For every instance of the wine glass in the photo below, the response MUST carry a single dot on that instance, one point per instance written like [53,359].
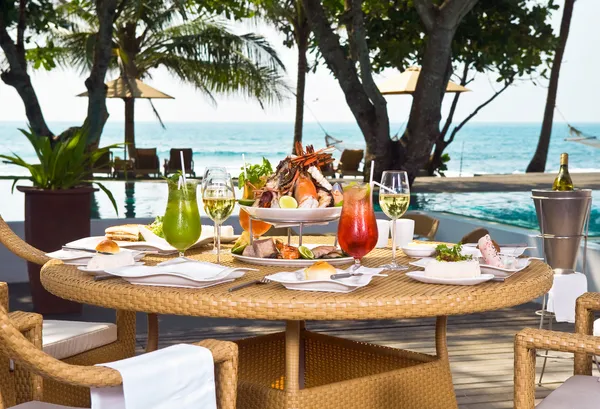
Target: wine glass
[357,229]
[394,198]
[208,172]
[219,200]
[181,223]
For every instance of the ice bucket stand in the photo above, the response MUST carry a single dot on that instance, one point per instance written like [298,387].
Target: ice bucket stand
[564,219]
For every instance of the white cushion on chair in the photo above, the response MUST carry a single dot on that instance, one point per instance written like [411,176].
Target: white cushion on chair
[63,339]
[578,392]
[40,405]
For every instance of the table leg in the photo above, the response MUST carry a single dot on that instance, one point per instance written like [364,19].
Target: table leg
[152,341]
[294,371]
[441,348]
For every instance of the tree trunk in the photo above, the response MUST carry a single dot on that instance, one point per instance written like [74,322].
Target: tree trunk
[97,113]
[538,162]
[302,43]
[423,130]
[130,126]
[16,76]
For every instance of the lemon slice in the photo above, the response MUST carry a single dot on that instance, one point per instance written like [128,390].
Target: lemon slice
[288,202]
[306,253]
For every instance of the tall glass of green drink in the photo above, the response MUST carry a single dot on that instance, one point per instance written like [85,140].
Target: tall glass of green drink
[181,224]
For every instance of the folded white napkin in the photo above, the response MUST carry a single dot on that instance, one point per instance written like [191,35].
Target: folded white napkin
[102,261]
[563,294]
[181,376]
[196,270]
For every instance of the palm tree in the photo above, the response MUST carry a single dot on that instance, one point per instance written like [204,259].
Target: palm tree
[198,49]
[289,18]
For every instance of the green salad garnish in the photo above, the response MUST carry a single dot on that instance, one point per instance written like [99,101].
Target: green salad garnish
[157,227]
[452,254]
[255,174]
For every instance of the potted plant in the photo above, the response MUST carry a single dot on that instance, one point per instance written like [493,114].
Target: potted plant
[57,206]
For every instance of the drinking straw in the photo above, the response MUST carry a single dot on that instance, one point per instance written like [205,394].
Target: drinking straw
[244,160]
[183,169]
[371,180]
[383,187]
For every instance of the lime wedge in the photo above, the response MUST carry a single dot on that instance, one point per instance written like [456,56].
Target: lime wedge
[246,202]
[306,253]
[288,202]
[340,204]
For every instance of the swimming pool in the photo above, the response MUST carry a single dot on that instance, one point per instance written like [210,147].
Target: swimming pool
[148,199]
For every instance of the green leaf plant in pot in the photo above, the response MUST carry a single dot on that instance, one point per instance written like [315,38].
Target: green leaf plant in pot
[58,205]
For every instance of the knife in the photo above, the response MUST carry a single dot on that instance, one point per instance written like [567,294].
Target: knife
[348,275]
[86,250]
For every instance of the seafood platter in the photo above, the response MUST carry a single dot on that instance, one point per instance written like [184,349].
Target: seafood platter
[295,193]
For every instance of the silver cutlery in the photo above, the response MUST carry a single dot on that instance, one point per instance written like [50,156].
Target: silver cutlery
[86,250]
[263,280]
[105,277]
[348,275]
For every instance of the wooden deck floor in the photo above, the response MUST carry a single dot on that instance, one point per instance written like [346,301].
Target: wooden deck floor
[481,348]
[480,345]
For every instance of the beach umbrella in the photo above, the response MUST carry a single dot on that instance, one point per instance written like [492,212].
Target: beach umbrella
[130,89]
[406,83]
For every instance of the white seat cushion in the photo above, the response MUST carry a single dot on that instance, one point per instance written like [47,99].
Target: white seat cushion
[63,339]
[40,405]
[578,392]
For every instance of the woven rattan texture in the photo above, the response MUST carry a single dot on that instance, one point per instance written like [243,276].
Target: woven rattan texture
[396,296]
[343,374]
[19,247]
[526,343]
[586,305]
[27,351]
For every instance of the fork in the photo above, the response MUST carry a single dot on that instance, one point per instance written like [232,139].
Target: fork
[263,280]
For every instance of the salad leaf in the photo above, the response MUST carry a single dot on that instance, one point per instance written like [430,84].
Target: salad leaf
[452,254]
[255,174]
[157,227]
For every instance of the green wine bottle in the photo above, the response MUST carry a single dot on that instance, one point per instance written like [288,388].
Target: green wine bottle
[563,180]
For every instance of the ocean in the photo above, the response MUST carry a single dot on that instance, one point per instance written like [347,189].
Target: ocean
[479,148]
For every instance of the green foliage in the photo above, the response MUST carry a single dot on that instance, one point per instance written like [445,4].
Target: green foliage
[443,167]
[255,173]
[510,38]
[63,164]
[451,254]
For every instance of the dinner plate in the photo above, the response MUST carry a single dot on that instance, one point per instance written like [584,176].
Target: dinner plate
[419,250]
[101,271]
[301,262]
[278,215]
[420,276]
[500,274]
[74,257]
[515,251]
[343,285]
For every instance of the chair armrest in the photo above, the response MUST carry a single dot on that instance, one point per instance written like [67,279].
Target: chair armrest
[4,296]
[225,355]
[19,247]
[526,343]
[584,323]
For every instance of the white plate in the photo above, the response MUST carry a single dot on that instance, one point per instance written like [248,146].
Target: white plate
[301,262]
[419,250]
[82,257]
[152,276]
[91,242]
[95,272]
[420,276]
[521,264]
[516,251]
[343,285]
[294,215]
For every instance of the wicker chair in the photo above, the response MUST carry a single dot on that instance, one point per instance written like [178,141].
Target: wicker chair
[425,226]
[117,347]
[20,340]
[581,391]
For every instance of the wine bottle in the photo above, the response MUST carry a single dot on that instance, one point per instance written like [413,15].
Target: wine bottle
[563,180]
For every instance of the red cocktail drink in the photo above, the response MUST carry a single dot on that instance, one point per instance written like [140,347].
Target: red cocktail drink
[357,231]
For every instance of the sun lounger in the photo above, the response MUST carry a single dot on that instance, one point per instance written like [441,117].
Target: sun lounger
[173,164]
[349,162]
[146,162]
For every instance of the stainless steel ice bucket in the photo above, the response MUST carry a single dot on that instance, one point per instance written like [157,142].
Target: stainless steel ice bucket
[562,217]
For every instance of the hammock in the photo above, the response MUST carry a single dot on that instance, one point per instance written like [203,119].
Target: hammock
[583,138]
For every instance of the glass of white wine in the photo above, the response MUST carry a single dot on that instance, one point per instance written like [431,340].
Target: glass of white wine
[210,172]
[218,198]
[394,198]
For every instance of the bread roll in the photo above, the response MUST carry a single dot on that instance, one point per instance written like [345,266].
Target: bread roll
[108,246]
[321,270]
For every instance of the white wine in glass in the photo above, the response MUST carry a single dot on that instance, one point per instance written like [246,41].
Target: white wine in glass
[394,198]
[218,198]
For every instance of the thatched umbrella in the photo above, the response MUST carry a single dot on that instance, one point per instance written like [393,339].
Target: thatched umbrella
[129,90]
[406,83]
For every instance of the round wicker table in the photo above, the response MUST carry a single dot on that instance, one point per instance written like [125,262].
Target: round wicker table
[303,369]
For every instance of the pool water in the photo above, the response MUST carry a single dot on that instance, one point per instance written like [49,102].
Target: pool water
[147,199]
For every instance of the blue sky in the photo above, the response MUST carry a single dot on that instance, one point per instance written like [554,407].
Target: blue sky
[578,94]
